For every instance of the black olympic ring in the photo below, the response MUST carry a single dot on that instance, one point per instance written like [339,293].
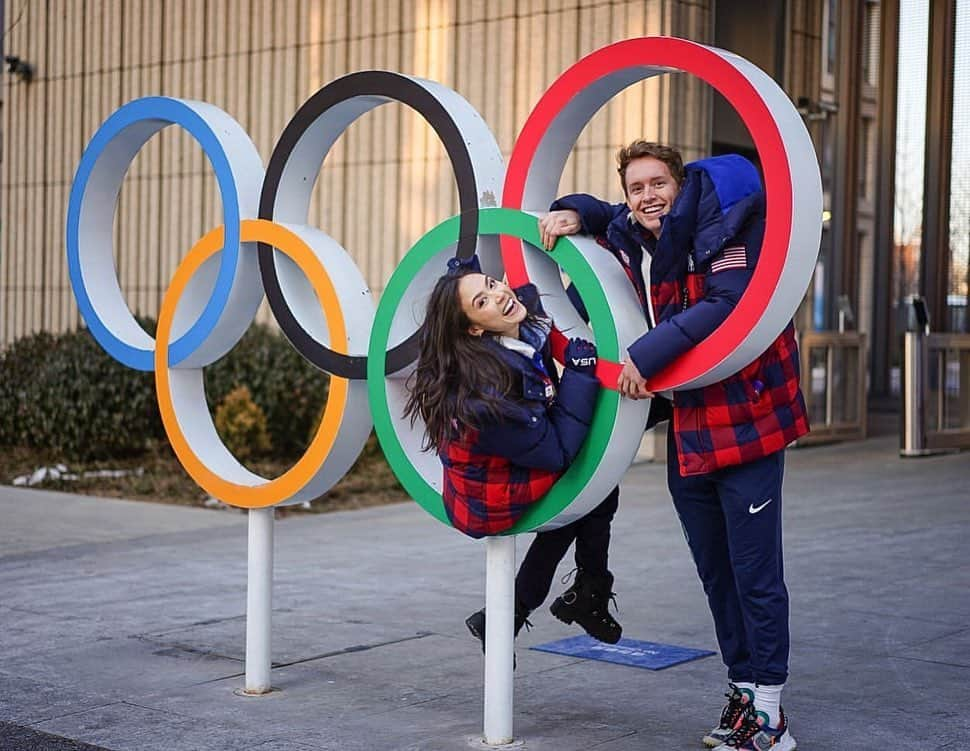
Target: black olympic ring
[367,89]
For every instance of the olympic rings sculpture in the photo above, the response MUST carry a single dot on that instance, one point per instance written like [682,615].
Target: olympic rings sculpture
[323,305]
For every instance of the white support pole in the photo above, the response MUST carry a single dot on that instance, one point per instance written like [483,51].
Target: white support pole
[259,601]
[499,635]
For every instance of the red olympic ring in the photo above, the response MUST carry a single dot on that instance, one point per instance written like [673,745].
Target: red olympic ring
[649,55]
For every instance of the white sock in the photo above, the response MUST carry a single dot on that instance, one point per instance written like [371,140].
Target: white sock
[747,688]
[767,699]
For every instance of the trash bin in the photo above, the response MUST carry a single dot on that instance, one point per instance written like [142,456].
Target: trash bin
[913,439]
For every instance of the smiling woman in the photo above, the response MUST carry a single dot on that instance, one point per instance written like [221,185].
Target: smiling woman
[616,425]
[491,306]
[505,427]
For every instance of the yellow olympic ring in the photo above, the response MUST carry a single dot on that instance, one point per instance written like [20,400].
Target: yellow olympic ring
[249,490]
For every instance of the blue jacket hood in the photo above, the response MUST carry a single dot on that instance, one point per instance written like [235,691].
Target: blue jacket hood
[718,197]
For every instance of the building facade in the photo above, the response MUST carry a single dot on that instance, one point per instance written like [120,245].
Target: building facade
[388,179]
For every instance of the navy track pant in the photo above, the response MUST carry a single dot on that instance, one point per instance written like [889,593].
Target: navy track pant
[732,522]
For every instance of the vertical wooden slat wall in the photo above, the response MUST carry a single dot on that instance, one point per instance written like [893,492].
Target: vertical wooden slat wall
[385,182]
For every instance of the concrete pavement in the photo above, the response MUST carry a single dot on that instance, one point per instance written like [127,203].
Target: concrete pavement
[122,624]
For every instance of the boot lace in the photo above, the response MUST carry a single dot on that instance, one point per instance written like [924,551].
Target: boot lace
[745,732]
[612,598]
[569,596]
[522,615]
[735,707]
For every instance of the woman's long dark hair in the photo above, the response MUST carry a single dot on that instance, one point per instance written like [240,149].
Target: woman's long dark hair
[457,374]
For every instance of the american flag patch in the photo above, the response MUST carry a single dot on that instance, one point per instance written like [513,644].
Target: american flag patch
[735,257]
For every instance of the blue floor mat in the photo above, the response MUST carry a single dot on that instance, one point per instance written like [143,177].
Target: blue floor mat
[638,654]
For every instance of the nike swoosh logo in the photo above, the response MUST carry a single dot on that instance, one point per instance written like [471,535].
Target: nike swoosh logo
[752,509]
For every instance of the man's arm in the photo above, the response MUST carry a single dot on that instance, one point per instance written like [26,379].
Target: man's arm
[576,213]
[660,346]
[594,215]
[557,224]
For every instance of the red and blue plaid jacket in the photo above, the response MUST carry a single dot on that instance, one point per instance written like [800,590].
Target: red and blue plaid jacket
[495,472]
[707,251]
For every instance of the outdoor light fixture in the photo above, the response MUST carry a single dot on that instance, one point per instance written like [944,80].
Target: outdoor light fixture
[810,109]
[20,68]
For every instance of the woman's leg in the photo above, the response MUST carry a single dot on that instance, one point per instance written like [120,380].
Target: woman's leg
[587,601]
[593,536]
[538,568]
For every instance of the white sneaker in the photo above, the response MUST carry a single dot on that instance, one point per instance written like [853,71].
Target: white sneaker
[756,735]
[740,704]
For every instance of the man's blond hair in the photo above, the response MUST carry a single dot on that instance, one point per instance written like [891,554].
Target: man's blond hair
[640,148]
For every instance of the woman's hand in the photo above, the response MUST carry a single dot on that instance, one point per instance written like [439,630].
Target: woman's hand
[555,224]
[580,356]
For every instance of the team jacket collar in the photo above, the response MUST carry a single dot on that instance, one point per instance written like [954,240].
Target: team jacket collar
[528,360]
[718,196]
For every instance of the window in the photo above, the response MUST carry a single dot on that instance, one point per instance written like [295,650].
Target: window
[958,285]
[830,43]
[870,43]
[910,146]
[867,158]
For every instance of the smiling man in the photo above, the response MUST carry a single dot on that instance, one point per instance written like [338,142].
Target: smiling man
[688,238]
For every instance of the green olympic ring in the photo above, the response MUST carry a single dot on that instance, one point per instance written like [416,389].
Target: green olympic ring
[492,221]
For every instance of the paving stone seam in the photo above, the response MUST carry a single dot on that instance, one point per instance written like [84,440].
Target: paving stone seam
[932,639]
[930,662]
[196,624]
[902,617]
[630,734]
[72,713]
[355,648]
[219,679]
[861,652]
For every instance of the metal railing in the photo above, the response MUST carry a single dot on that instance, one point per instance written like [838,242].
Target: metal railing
[936,393]
[834,385]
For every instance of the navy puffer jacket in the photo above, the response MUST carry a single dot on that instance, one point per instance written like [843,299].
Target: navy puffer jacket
[495,472]
[700,266]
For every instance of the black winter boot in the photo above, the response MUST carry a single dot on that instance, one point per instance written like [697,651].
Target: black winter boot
[476,622]
[587,602]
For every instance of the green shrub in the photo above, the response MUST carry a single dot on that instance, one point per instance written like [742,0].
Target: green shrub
[242,425]
[289,390]
[63,393]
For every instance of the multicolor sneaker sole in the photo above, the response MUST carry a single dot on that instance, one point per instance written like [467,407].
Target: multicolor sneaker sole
[756,735]
[716,737]
[739,705]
